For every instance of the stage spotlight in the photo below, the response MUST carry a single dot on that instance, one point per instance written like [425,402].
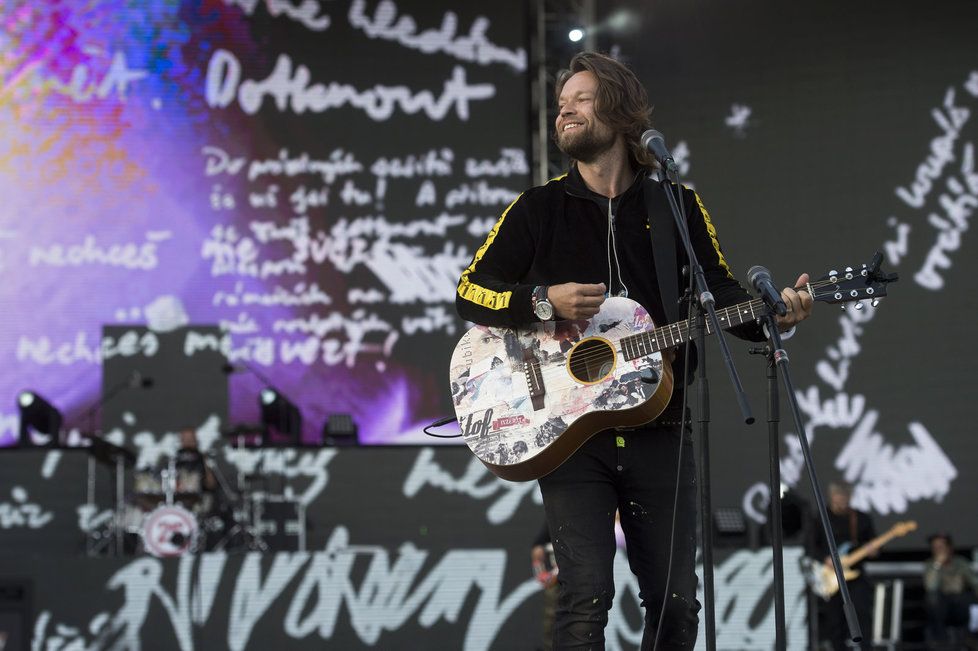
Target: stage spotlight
[281,418]
[729,521]
[576,35]
[40,421]
[339,430]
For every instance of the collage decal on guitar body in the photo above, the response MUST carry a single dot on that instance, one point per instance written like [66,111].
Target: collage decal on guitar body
[517,392]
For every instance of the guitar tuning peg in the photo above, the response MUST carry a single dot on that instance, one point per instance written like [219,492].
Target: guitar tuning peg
[875,302]
[843,306]
[859,305]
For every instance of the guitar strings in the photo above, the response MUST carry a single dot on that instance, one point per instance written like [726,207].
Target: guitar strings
[557,377]
[683,328]
[677,332]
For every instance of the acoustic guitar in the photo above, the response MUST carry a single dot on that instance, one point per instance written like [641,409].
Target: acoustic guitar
[527,398]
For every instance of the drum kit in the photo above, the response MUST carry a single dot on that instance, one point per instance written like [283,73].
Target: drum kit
[166,509]
[182,507]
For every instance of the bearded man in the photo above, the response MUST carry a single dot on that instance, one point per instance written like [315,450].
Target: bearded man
[556,253]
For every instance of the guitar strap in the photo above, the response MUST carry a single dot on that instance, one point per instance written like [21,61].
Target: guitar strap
[852,527]
[662,231]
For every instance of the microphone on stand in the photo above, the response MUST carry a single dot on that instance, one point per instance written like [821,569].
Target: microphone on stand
[760,279]
[655,142]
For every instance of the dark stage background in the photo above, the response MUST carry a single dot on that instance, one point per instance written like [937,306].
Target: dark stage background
[312,178]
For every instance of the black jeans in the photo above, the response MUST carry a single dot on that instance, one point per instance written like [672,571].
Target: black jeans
[634,472]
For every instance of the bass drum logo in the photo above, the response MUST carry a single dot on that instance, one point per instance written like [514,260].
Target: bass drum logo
[169,530]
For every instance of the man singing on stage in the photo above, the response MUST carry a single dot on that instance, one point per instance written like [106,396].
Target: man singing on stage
[556,253]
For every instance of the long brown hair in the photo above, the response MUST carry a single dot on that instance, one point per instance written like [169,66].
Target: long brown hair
[621,101]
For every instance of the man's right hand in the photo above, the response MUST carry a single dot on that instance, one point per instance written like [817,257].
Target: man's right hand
[576,301]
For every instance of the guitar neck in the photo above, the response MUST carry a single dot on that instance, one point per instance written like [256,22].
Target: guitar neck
[673,334]
[863,551]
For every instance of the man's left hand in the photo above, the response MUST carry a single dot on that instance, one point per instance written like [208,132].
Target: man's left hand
[798,303]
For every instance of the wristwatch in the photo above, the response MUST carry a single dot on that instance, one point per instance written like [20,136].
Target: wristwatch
[542,307]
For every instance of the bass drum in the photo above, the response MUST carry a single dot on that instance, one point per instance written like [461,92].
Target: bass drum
[170,530]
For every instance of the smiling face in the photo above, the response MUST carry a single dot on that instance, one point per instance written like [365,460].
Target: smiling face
[580,133]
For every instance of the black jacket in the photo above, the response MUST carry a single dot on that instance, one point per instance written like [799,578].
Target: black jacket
[558,233]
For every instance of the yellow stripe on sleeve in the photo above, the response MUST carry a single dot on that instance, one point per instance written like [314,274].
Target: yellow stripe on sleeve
[713,234]
[480,295]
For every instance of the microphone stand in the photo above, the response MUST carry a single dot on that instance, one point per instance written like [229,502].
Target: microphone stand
[774,488]
[780,359]
[705,310]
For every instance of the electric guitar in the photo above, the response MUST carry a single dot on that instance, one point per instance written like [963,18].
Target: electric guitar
[822,579]
[527,398]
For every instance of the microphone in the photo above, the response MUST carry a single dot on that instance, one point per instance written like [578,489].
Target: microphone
[656,143]
[760,279]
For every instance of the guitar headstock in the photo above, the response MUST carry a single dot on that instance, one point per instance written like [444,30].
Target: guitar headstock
[903,528]
[866,282]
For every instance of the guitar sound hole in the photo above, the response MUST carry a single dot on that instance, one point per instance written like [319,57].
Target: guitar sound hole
[591,361]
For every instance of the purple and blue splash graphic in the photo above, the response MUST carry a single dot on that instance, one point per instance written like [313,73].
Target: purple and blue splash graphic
[168,163]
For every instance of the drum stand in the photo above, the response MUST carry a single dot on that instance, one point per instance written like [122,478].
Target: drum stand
[250,532]
[168,477]
[95,541]
[117,457]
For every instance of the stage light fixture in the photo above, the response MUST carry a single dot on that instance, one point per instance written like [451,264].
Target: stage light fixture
[729,521]
[340,430]
[576,35]
[281,418]
[40,421]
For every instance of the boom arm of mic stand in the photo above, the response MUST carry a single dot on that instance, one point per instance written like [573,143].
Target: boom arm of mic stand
[781,360]
[258,374]
[707,303]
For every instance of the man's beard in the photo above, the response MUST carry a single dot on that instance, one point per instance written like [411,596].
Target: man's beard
[585,147]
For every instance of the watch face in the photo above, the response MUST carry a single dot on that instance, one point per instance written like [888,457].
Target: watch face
[544,310]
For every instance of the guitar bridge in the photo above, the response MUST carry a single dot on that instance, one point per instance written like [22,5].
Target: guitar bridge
[534,379]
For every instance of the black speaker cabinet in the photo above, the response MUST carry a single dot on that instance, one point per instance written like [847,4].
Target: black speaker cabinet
[15,615]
